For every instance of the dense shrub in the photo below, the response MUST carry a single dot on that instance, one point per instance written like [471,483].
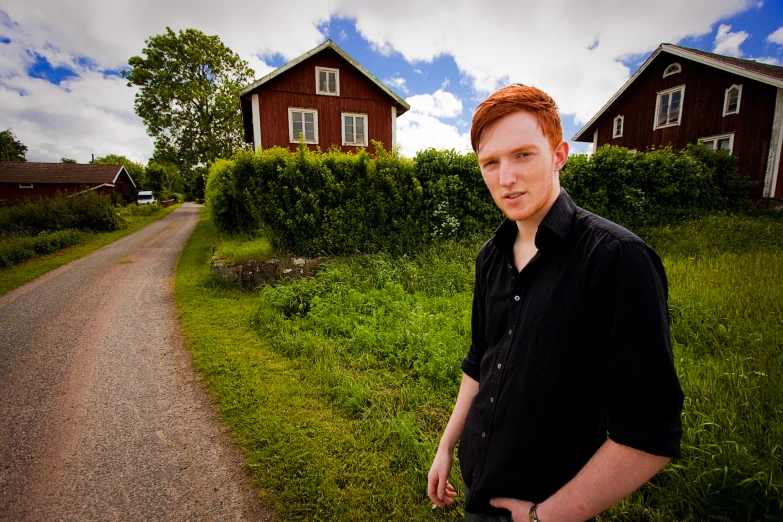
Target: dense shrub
[342,203]
[15,249]
[656,187]
[88,211]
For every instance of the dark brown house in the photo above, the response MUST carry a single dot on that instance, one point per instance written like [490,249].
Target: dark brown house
[28,180]
[681,96]
[324,98]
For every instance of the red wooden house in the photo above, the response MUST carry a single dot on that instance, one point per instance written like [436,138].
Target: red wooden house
[323,98]
[681,96]
[28,180]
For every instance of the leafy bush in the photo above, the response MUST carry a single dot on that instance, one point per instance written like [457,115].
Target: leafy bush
[88,211]
[343,203]
[656,187]
[15,249]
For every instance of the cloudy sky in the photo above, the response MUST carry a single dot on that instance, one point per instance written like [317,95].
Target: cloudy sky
[61,93]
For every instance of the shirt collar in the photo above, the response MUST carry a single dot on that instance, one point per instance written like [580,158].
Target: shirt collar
[554,229]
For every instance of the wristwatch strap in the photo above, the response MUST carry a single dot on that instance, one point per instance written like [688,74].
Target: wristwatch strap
[533,515]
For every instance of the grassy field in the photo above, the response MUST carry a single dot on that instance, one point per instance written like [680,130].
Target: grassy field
[15,276]
[338,387]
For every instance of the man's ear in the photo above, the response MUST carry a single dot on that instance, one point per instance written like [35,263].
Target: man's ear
[561,155]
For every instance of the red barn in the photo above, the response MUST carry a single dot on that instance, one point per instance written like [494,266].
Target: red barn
[28,180]
[324,98]
[681,96]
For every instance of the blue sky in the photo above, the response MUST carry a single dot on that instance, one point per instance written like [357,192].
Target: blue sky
[61,94]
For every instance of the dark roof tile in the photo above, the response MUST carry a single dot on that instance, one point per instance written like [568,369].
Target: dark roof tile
[71,173]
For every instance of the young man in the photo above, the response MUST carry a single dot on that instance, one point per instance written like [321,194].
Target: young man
[569,399]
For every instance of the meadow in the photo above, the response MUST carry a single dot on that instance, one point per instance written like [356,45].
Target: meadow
[338,387]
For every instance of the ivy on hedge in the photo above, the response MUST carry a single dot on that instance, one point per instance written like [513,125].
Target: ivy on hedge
[343,203]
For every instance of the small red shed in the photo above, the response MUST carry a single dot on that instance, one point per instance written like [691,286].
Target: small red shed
[324,98]
[681,96]
[29,180]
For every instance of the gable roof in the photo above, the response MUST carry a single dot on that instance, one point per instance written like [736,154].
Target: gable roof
[67,173]
[328,44]
[762,72]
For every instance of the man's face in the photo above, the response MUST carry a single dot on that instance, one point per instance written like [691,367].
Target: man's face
[519,166]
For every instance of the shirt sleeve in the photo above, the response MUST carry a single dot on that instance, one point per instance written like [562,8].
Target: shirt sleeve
[471,364]
[643,395]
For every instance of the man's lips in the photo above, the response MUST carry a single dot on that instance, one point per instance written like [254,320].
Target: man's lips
[513,195]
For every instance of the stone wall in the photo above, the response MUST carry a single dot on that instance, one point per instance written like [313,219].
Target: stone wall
[254,273]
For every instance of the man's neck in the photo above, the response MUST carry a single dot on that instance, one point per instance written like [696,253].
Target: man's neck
[528,228]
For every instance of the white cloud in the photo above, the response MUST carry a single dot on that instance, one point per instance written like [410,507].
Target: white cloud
[416,131]
[771,60]
[440,104]
[549,45]
[397,83]
[776,37]
[728,43]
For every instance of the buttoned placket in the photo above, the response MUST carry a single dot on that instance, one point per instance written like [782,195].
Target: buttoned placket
[514,315]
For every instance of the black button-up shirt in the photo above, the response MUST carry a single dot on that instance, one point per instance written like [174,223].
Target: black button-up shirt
[572,348]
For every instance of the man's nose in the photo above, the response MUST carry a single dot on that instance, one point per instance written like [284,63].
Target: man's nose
[508,174]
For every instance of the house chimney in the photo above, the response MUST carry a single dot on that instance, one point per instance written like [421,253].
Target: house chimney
[93,158]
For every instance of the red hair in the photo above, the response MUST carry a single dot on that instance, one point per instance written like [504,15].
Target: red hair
[514,98]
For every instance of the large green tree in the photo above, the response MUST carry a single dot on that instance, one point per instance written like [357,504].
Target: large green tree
[135,169]
[11,149]
[188,96]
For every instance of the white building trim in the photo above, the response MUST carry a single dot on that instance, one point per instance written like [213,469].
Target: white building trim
[256,123]
[775,145]
[394,126]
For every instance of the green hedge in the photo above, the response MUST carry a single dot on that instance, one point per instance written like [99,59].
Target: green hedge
[88,212]
[15,249]
[656,187]
[342,203]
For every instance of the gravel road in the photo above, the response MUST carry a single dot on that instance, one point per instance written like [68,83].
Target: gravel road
[101,414]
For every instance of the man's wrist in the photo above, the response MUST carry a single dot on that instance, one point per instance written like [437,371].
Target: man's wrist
[533,515]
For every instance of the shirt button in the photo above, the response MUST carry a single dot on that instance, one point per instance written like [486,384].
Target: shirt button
[510,332]
[516,298]
[499,365]
[491,399]
[483,434]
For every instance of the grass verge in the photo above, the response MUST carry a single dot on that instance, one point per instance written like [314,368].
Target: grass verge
[338,387]
[16,276]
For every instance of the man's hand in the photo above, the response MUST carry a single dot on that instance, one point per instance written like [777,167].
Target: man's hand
[438,487]
[520,509]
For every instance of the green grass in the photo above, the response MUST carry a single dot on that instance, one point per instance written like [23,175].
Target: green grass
[338,387]
[240,248]
[16,276]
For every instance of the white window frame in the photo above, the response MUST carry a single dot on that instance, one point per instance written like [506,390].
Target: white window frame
[669,71]
[295,139]
[336,81]
[614,127]
[717,137]
[726,100]
[354,115]
[658,96]
[25,185]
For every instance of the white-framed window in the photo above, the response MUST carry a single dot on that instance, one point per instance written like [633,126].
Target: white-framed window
[668,107]
[327,81]
[25,185]
[731,102]
[721,142]
[303,125]
[672,69]
[617,127]
[354,129]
